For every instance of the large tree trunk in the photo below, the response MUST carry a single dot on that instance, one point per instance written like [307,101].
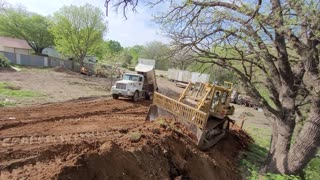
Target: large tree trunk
[38,51]
[285,158]
[279,147]
[81,60]
[307,142]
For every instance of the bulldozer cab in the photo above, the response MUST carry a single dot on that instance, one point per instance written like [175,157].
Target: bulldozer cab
[203,105]
[228,85]
[208,98]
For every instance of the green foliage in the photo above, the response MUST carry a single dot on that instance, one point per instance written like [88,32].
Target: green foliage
[4,62]
[157,51]
[135,52]
[29,26]
[271,176]
[135,136]
[108,50]
[127,56]
[113,47]
[216,73]
[265,94]
[6,103]
[78,31]
[254,158]
[312,171]
[8,90]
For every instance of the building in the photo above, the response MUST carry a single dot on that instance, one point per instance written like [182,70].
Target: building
[14,45]
[52,52]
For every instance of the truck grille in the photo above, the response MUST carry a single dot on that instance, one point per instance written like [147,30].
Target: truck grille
[120,86]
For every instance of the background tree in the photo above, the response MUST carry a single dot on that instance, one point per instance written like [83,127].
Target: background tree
[107,50]
[33,28]
[135,53]
[158,51]
[113,47]
[2,4]
[78,31]
[124,58]
[182,59]
[272,46]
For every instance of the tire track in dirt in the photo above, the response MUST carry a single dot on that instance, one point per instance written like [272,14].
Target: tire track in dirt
[129,110]
[10,141]
[57,139]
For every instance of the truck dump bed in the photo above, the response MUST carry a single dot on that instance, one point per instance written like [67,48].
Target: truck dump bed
[147,67]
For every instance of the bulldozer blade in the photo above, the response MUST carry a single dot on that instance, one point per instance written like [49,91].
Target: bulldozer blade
[152,113]
[205,144]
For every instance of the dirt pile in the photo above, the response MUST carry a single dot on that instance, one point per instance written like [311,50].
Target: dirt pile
[62,69]
[107,139]
[163,155]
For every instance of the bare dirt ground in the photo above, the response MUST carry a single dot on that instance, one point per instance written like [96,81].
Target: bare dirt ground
[102,138]
[93,139]
[55,85]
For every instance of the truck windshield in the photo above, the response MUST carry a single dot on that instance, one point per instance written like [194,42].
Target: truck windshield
[131,77]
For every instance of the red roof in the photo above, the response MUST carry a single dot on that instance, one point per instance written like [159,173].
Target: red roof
[14,43]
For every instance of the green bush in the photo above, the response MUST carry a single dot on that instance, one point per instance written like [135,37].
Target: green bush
[4,62]
[103,70]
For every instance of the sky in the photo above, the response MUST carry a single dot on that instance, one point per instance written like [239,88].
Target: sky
[138,29]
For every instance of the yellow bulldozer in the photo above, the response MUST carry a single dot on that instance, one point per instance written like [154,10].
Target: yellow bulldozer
[202,107]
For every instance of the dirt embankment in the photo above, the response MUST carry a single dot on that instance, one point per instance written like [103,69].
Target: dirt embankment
[106,139]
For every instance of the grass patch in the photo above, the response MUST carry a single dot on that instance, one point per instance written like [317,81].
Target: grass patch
[24,68]
[8,90]
[6,104]
[312,171]
[135,136]
[253,159]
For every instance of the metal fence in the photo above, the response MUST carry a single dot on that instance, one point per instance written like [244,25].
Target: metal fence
[42,61]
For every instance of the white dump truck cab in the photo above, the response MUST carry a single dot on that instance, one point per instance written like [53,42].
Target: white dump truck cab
[137,85]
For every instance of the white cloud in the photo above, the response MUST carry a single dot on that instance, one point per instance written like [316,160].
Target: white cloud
[137,29]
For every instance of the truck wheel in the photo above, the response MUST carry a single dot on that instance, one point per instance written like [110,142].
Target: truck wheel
[115,96]
[135,96]
[148,96]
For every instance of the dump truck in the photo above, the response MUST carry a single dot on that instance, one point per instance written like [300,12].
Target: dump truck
[141,84]
[202,107]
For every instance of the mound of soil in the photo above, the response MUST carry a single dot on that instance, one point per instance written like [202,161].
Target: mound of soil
[166,155]
[63,70]
[60,69]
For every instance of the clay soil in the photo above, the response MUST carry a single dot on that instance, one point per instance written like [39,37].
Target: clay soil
[101,138]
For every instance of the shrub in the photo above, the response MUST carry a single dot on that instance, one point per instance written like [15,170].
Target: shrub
[103,70]
[4,62]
